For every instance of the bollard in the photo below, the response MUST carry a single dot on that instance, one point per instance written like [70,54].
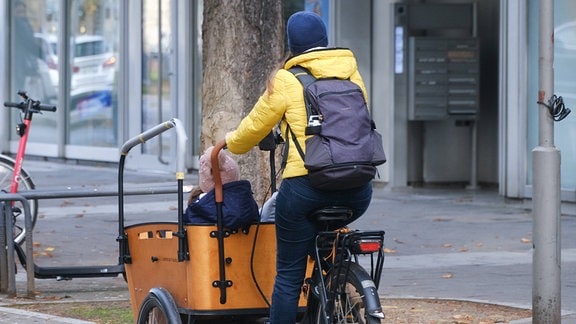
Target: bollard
[7,255]
[4,215]
[9,244]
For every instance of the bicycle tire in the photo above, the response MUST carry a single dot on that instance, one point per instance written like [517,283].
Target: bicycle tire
[350,303]
[158,307]
[25,182]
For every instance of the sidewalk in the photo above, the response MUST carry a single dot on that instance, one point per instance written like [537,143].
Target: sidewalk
[17,316]
[480,238]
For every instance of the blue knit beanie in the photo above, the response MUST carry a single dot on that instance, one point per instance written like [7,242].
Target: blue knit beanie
[305,30]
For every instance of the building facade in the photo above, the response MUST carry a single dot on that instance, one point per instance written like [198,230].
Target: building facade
[452,84]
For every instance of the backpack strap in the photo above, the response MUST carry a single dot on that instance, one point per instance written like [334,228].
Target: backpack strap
[287,146]
[303,75]
[306,79]
[298,147]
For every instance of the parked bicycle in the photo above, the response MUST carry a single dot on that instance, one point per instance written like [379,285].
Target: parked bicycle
[12,176]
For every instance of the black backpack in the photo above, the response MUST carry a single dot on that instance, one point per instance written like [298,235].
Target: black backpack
[345,147]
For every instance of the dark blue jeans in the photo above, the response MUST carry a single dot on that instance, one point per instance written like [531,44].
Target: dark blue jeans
[295,237]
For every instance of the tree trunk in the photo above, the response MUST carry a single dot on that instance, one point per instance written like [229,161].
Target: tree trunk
[243,43]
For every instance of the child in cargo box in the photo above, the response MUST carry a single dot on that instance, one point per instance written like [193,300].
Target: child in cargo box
[239,209]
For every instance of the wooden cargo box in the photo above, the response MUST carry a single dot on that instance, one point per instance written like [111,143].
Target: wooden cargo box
[249,266]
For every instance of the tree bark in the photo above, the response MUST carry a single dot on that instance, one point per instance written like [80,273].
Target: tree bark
[243,44]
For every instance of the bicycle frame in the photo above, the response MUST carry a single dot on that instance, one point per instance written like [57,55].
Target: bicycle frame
[21,148]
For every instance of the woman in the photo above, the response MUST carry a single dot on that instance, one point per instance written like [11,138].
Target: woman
[283,101]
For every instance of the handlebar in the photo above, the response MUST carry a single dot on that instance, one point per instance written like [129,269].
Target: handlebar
[157,130]
[218,194]
[29,104]
[146,135]
[36,106]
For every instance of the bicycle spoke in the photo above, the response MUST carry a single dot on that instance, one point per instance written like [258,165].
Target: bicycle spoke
[348,304]
[354,300]
[5,181]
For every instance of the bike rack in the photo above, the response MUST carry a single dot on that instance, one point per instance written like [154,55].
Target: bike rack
[8,282]
[7,259]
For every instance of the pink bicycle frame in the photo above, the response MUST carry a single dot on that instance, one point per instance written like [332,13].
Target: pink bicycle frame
[20,155]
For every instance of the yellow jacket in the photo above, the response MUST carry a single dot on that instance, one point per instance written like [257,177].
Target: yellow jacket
[284,101]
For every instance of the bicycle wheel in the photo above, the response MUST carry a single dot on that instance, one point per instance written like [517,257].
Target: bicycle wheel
[158,308]
[24,183]
[350,300]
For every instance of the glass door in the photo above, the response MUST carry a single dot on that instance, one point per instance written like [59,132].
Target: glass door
[157,83]
[92,112]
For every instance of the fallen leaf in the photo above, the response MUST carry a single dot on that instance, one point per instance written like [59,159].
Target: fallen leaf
[53,298]
[390,251]
[462,319]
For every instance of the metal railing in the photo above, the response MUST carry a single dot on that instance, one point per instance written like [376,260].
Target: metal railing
[7,256]
[7,259]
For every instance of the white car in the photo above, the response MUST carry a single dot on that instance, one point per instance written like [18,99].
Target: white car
[94,60]
[565,36]
[48,48]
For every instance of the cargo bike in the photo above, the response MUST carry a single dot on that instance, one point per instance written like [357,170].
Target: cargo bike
[205,273]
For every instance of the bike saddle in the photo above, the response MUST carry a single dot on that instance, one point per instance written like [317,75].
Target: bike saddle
[332,217]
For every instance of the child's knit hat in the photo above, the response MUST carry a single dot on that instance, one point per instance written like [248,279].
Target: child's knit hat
[229,170]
